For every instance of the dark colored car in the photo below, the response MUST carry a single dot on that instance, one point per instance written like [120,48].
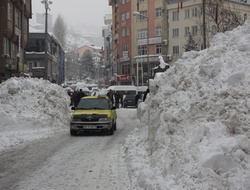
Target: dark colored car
[129,101]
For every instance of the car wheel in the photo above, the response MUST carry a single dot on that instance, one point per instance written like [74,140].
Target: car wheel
[73,132]
[111,131]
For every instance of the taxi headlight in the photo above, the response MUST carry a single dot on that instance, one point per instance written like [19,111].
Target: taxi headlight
[105,119]
[75,119]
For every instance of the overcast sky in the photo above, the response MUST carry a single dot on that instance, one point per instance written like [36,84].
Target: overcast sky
[88,13]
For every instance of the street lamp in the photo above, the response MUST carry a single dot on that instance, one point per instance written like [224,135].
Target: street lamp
[145,16]
[23,52]
[46,5]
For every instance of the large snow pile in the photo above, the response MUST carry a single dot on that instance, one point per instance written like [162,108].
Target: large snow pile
[36,105]
[195,125]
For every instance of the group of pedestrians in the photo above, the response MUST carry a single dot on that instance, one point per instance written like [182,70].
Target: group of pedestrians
[75,97]
[116,98]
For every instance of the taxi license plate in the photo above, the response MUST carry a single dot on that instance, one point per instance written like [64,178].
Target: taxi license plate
[89,127]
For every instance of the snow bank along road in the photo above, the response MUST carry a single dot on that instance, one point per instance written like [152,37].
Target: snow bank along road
[64,162]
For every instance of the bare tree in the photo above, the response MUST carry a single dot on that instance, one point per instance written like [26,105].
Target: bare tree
[60,30]
[220,16]
[226,15]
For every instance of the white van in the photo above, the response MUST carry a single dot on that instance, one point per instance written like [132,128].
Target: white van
[126,89]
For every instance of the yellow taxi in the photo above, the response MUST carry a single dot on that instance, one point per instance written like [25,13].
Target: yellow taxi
[93,114]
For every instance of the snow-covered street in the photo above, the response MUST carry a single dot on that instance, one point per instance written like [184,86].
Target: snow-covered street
[191,133]
[62,162]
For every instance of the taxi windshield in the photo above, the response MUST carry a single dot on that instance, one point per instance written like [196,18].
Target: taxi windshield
[89,104]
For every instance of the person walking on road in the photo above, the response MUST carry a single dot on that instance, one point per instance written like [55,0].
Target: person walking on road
[117,99]
[111,96]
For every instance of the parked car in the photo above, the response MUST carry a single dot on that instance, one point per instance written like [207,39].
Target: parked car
[129,101]
[93,114]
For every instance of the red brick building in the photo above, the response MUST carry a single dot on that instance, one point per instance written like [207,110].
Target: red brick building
[14,30]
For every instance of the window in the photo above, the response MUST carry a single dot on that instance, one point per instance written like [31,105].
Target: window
[125,47]
[187,14]
[141,1]
[127,31]
[201,11]
[187,31]
[158,12]
[6,46]
[158,49]
[175,16]
[143,15]
[123,16]
[33,64]
[127,15]
[194,12]
[158,31]
[10,10]
[17,18]
[143,50]
[142,33]
[194,30]
[176,50]
[125,1]
[123,31]
[175,32]
[13,50]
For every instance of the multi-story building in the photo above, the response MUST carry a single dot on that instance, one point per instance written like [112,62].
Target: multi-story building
[143,30]
[14,30]
[186,18]
[149,19]
[73,60]
[114,40]
[39,62]
[137,38]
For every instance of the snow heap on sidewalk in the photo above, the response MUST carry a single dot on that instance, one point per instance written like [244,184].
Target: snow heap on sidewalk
[195,125]
[31,109]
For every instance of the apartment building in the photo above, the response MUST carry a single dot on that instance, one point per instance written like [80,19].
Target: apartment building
[143,30]
[137,38]
[14,33]
[149,42]
[185,21]
[49,66]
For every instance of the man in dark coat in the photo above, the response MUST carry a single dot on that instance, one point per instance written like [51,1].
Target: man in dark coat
[145,94]
[110,95]
[117,99]
[137,97]
[80,94]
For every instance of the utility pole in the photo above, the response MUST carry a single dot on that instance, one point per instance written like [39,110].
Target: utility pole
[46,4]
[146,17]
[23,51]
[204,23]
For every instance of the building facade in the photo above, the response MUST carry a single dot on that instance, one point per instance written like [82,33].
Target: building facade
[143,30]
[49,66]
[14,33]
[137,38]
[186,28]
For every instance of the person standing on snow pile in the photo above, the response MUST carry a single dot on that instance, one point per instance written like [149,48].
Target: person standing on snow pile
[137,97]
[145,95]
